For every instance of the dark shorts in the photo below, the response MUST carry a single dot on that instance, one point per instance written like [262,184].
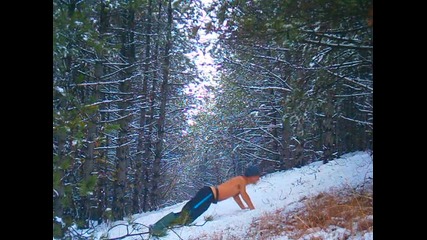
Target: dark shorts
[198,204]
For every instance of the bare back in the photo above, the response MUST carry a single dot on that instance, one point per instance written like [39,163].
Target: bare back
[231,188]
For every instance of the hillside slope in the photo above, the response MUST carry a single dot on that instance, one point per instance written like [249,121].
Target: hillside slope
[280,190]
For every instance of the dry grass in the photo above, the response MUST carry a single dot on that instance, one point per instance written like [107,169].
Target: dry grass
[267,225]
[331,209]
[344,208]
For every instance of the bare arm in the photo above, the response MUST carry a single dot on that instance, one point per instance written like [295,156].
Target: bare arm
[246,197]
[239,201]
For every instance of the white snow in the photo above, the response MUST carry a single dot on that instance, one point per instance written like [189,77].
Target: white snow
[273,191]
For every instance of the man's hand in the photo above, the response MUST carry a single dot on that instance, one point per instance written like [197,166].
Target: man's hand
[248,208]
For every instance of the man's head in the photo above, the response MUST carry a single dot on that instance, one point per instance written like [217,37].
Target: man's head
[252,173]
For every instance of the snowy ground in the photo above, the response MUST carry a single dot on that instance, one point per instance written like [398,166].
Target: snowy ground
[273,191]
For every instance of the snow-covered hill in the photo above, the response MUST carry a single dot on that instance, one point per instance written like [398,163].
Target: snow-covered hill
[273,191]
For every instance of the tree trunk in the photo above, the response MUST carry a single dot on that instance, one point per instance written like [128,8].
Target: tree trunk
[58,193]
[122,152]
[162,115]
[100,71]
[142,158]
[328,140]
[274,131]
[286,139]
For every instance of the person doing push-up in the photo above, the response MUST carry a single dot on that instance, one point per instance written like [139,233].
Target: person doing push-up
[234,187]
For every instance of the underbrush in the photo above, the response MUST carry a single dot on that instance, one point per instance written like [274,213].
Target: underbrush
[336,214]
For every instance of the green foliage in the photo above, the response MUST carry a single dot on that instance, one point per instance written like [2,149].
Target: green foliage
[80,78]
[80,223]
[281,21]
[66,163]
[56,178]
[109,128]
[57,230]
[88,185]
[91,109]
[108,214]
[68,221]
[66,199]
[60,130]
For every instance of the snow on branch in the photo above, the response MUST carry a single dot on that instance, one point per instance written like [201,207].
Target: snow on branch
[354,81]
[109,82]
[347,46]
[248,65]
[256,145]
[357,121]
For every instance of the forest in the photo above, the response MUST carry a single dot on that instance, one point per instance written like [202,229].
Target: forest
[293,84]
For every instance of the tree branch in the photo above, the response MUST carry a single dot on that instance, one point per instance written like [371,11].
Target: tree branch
[346,46]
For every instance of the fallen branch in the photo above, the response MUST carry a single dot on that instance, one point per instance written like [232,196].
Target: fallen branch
[129,233]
